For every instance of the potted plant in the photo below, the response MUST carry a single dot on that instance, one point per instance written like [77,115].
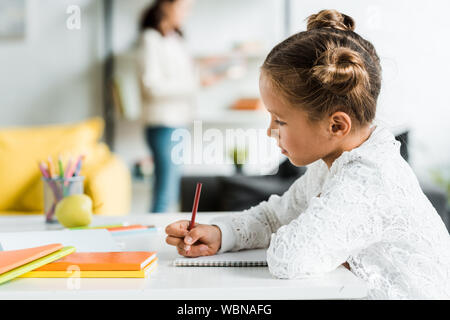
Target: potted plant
[239,156]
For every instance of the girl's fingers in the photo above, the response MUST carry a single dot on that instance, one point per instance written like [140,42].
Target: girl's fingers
[199,250]
[174,241]
[186,248]
[178,236]
[193,251]
[182,249]
[178,229]
[193,235]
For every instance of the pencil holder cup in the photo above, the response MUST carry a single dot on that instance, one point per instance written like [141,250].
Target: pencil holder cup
[56,189]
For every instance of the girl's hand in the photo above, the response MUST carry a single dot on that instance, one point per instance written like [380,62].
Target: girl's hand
[201,240]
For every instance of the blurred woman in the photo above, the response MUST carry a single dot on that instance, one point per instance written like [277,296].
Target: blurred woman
[168,82]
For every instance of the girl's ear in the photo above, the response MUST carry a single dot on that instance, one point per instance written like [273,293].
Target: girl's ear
[340,124]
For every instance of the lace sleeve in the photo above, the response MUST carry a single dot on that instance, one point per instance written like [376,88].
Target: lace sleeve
[252,228]
[340,222]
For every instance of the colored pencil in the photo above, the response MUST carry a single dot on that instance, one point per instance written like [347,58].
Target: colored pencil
[198,190]
[61,169]
[51,168]
[68,168]
[43,168]
[71,166]
[78,169]
[46,174]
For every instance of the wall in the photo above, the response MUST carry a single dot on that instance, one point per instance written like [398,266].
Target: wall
[54,74]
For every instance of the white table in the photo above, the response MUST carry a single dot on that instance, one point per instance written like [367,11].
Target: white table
[169,282]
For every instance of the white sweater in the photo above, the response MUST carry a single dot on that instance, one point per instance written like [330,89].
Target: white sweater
[168,80]
[367,209]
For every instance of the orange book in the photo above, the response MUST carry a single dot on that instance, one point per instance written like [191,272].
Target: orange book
[15,258]
[103,261]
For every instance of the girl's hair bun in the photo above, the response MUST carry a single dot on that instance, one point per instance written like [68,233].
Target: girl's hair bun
[326,69]
[341,70]
[330,19]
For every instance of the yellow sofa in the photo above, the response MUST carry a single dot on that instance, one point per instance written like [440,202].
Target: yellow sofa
[107,179]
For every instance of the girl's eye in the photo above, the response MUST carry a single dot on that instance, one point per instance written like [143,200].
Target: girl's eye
[281,123]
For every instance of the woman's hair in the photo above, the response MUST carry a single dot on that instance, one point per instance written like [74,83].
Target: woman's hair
[327,68]
[153,15]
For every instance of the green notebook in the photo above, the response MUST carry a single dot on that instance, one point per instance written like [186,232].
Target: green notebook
[14,273]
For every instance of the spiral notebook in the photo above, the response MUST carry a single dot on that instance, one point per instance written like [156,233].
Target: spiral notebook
[244,258]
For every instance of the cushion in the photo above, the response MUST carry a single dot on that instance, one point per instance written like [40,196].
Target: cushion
[22,148]
[109,186]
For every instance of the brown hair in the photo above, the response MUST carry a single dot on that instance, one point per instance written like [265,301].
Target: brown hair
[327,68]
[153,15]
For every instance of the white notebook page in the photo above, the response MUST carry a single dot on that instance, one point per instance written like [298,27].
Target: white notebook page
[244,258]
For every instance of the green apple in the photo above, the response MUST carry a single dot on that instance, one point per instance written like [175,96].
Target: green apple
[74,211]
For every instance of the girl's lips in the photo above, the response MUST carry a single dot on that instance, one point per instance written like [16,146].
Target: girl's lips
[283,151]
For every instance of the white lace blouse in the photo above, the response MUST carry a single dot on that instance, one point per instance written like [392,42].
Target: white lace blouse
[367,209]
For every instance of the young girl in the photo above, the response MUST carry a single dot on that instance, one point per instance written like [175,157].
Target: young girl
[359,203]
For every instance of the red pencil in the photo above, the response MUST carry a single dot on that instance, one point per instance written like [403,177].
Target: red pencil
[195,207]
